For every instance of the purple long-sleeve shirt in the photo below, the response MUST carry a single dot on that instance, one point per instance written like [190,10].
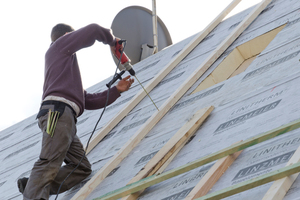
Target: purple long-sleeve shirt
[62,74]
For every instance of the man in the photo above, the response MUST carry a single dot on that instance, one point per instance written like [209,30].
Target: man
[64,99]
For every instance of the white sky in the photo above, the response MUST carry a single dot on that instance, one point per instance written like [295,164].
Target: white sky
[25,37]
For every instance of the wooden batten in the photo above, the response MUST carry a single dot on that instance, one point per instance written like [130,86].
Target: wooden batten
[212,176]
[173,146]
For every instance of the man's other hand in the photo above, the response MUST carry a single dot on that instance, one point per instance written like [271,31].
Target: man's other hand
[124,84]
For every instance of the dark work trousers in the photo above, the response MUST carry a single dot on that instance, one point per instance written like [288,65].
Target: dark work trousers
[48,173]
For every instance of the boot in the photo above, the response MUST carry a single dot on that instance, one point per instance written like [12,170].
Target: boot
[22,184]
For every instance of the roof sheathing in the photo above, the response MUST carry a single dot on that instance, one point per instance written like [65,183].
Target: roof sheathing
[269,84]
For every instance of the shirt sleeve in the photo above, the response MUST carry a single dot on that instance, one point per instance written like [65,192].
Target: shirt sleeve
[85,37]
[97,100]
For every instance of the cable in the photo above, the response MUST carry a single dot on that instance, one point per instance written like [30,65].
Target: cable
[94,127]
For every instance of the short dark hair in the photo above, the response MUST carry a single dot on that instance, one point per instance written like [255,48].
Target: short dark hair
[59,30]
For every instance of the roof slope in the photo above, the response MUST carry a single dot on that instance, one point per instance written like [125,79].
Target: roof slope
[261,98]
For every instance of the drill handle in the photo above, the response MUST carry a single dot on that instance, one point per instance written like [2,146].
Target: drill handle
[115,78]
[121,41]
[118,52]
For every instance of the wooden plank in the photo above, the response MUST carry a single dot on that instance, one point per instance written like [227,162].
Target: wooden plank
[165,165]
[228,66]
[243,66]
[174,143]
[246,185]
[212,176]
[124,151]
[172,146]
[135,195]
[173,63]
[258,44]
[146,182]
[280,187]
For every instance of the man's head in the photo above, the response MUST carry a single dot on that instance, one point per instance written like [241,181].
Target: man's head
[59,30]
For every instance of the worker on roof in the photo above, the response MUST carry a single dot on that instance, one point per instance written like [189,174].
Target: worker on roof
[63,101]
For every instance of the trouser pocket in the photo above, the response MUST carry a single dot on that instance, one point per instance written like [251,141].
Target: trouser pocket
[54,114]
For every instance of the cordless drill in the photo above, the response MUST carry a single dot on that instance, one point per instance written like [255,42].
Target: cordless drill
[125,61]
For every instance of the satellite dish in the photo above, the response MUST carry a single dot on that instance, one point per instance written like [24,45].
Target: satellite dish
[134,24]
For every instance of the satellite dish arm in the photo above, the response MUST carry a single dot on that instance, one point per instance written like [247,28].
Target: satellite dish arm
[154,22]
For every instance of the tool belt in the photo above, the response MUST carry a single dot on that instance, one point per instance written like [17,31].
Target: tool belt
[53,115]
[58,106]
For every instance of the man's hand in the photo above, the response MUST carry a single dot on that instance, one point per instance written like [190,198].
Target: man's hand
[124,84]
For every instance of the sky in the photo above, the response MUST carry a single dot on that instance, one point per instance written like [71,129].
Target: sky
[25,37]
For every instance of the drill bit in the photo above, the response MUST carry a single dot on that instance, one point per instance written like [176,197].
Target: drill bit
[146,92]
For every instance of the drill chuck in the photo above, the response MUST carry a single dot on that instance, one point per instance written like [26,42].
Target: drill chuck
[129,68]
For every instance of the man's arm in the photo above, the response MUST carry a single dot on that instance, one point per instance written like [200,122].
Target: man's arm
[98,100]
[85,37]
